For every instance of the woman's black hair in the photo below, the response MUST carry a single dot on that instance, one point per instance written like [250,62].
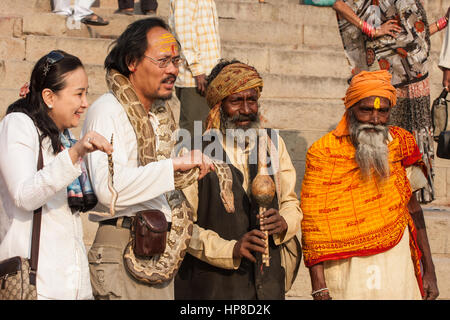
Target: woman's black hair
[46,74]
[131,44]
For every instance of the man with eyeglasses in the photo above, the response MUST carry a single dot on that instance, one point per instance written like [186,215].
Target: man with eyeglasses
[141,70]
[196,27]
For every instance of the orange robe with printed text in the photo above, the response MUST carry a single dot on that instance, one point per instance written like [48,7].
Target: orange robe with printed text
[345,215]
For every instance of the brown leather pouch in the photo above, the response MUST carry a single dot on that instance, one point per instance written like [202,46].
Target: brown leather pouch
[150,232]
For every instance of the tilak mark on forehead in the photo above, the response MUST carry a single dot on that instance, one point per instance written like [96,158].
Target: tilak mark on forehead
[376,103]
[167,43]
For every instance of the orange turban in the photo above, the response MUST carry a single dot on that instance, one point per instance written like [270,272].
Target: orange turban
[233,78]
[366,84]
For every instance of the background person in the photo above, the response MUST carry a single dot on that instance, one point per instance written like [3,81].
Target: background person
[196,26]
[224,259]
[444,59]
[80,11]
[148,7]
[395,36]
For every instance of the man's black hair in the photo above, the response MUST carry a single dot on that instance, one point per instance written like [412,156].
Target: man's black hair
[132,44]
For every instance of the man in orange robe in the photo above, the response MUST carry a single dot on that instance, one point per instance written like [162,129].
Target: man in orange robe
[363,234]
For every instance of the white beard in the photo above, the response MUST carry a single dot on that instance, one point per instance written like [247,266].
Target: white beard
[371,148]
[241,135]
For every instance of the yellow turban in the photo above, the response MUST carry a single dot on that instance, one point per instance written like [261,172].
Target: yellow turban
[366,84]
[233,78]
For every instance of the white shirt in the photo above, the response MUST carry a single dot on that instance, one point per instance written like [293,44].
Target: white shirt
[63,270]
[444,58]
[139,187]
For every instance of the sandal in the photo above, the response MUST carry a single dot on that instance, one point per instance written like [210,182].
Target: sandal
[125,12]
[94,20]
[149,13]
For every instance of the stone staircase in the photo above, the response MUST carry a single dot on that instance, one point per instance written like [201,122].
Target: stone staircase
[297,49]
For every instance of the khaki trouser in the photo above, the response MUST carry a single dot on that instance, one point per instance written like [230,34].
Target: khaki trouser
[193,107]
[109,279]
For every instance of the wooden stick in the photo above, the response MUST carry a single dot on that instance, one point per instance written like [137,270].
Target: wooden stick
[265,256]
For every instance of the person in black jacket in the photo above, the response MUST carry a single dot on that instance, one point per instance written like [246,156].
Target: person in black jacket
[224,259]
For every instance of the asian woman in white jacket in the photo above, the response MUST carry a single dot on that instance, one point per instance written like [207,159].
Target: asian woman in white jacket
[54,104]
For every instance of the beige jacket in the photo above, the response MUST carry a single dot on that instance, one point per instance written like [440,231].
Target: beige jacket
[208,246]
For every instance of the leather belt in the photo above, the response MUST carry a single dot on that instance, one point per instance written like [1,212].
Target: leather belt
[121,222]
[125,222]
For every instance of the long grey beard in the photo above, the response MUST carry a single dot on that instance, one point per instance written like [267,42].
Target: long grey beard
[241,135]
[371,147]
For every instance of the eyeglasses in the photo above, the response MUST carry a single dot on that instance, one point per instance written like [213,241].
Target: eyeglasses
[164,62]
[52,58]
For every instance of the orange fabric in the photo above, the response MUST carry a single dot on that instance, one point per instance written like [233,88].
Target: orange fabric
[233,78]
[370,83]
[345,215]
[363,85]
[213,119]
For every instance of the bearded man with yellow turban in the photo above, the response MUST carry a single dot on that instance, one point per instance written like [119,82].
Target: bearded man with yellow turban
[224,259]
[363,234]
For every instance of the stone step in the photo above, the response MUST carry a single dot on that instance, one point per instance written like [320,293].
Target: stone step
[309,36]
[12,48]
[280,10]
[265,59]
[303,35]
[276,12]
[50,24]
[437,220]
[442,266]
[310,114]
[305,94]
[327,63]
[13,74]
[89,50]
[10,26]
[24,6]
[93,51]
[254,11]
[162,4]
[8,96]
[299,88]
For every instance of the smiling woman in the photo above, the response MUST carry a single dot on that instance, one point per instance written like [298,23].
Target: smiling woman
[38,124]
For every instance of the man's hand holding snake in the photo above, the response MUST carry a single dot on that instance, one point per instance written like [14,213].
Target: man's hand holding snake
[194,158]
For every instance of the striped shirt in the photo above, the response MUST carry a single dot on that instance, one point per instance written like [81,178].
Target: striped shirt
[196,26]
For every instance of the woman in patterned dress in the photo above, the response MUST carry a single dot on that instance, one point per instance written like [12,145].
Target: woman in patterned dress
[394,35]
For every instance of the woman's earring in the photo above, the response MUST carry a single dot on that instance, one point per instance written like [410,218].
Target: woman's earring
[50,106]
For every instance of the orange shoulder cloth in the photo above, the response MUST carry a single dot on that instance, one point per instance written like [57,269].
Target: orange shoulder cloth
[345,215]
